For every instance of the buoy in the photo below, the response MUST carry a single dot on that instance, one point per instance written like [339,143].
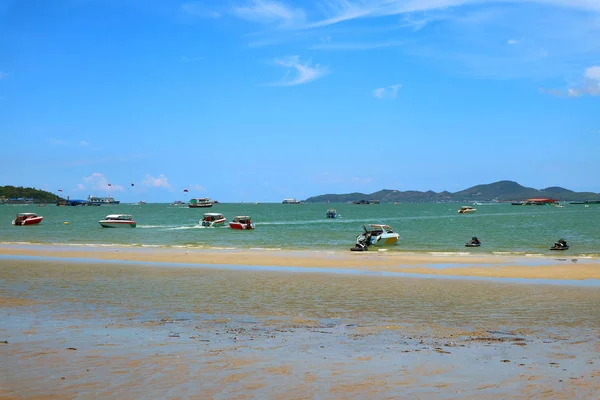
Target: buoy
[66,222]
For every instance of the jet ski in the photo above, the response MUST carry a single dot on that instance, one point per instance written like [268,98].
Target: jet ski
[561,244]
[362,242]
[474,242]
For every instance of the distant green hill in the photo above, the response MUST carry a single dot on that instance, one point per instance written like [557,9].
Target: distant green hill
[16,192]
[501,191]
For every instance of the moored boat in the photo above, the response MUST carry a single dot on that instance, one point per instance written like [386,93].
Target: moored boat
[27,219]
[212,220]
[331,213]
[203,202]
[241,222]
[378,235]
[118,221]
[466,210]
[290,201]
[99,201]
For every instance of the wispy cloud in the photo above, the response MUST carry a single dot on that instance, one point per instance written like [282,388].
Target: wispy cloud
[355,46]
[99,183]
[338,11]
[513,41]
[299,72]
[199,10]
[589,86]
[389,92]
[159,182]
[271,12]
[3,75]
[66,143]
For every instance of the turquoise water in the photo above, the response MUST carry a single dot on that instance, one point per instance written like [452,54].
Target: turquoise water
[502,228]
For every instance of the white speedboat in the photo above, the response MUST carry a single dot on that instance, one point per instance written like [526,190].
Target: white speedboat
[241,222]
[27,219]
[212,220]
[118,221]
[466,210]
[378,235]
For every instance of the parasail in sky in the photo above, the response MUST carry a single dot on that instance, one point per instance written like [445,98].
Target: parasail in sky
[132,184]
[60,190]
[185,190]
[110,184]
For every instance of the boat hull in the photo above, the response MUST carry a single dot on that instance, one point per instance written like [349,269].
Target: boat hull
[117,224]
[200,205]
[382,240]
[28,221]
[213,224]
[238,226]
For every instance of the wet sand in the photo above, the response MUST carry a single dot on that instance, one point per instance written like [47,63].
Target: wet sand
[559,267]
[128,331]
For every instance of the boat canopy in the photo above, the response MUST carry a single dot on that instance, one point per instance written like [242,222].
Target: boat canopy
[26,215]
[119,217]
[241,218]
[378,227]
[212,216]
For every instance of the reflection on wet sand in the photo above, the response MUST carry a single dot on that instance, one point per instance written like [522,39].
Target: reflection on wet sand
[123,331]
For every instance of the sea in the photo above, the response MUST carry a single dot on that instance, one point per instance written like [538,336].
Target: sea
[424,228]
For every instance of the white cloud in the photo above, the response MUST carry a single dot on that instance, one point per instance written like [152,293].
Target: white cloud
[84,143]
[593,73]
[3,75]
[80,187]
[589,86]
[270,12]
[99,183]
[355,46]
[513,41]
[389,92]
[299,72]
[199,10]
[346,10]
[160,182]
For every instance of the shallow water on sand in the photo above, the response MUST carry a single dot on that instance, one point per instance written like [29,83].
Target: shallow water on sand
[140,330]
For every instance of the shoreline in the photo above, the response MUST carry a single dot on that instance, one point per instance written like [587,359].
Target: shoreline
[442,265]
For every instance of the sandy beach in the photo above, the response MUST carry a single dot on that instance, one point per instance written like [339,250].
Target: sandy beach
[128,323]
[491,266]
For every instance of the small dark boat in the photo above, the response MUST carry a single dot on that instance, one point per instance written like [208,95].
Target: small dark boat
[559,248]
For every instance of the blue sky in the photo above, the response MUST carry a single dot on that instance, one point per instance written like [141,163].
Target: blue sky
[261,100]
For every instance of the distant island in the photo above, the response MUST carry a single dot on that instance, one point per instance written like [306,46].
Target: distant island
[498,191]
[21,195]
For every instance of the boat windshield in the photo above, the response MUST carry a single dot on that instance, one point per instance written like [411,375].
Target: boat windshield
[379,228]
[119,217]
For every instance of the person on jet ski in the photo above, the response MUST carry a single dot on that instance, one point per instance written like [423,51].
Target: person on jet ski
[561,243]
[474,240]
